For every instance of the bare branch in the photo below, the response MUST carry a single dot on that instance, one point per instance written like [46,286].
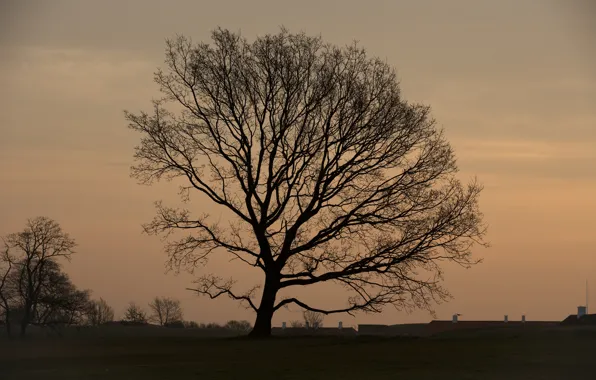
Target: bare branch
[215,287]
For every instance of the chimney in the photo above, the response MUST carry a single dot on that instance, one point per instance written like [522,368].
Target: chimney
[341,325]
[283,325]
[581,311]
[506,319]
[454,320]
[523,319]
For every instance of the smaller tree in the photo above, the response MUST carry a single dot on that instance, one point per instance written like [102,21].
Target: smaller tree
[57,300]
[60,303]
[312,319]
[165,310]
[34,253]
[74,306]
[240,326]
[134,314]
[99,312]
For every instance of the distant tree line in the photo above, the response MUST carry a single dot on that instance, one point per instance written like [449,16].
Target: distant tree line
[35,291]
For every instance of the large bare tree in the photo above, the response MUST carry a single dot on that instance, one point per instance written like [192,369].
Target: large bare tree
[326,172]
[33,254]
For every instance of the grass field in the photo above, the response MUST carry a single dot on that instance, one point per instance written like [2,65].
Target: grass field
[548,354]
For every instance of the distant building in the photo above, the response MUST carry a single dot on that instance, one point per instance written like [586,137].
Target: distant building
[580,319]
[440,326]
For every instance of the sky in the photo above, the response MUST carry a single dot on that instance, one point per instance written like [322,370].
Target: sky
[513,83]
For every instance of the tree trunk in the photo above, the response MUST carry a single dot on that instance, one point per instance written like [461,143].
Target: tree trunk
[262,327]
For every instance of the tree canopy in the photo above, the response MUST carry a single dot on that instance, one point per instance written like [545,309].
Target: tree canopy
[329,175]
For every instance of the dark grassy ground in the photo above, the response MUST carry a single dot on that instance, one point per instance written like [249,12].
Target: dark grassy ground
[549,354]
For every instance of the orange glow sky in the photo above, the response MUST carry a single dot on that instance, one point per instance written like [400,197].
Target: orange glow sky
[512,82]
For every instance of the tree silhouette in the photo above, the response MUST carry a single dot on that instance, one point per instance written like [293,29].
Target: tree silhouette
[33,254]
[99,313]
[326,173]
[60,303]
[165,310]
[7,293]
[57,303]
[312,319]
[135,314]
